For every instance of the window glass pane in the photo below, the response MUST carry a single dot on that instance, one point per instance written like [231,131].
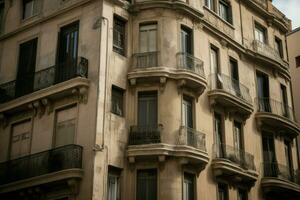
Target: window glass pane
[65,127]
[147,109]
[28,8]
[20,140]
[119,36]
[1,16]
[189,187]
[148,38]
[117,101]
[260,34]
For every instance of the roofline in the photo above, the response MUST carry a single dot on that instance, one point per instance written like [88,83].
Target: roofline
[293,31]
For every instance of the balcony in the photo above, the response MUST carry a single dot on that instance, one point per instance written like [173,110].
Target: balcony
[49,83]
[268,55]
[280,182]
[189,72]
[146,143]
[59,164]
[230,94]
[277,117]
[233,164]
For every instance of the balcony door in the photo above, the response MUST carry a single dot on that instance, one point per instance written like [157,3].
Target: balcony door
[20,140]
[187,118]
[218,129]
[67,52]
[148,46]
[235,77]
[263,92]
[146,184]
[289,158]
[285,108]
[189,187]
[26,67]
[238,140]
[269,156]
[147,109]
[186,40]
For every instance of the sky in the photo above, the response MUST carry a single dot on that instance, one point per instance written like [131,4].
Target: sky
[291,9]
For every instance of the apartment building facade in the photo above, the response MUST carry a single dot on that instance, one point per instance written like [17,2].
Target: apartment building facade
[146,100]
[294,61]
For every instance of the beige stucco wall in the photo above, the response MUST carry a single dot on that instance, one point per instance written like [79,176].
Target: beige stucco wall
[97,125]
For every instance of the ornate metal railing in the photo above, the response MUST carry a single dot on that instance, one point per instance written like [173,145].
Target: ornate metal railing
[275,107]
[243,159]
[43,79]
[144,134]
[273,169]
[268,51]
[147,59]
[54,160]
[189,62]
[191,137]
[230,85]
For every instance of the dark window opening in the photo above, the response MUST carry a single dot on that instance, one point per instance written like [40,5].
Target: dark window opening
[242,194]
[117,97]
[189,187]
[263,92]
[297,61]
[278,47]
[225,11]
[119,36]
[146,184]
[222,191]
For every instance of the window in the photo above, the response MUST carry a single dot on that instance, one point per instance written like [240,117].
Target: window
[269,156]
[186,40]
[222,192]
[234,76]
[30,8]
[67,52]
[147,109]
[117,101]
[20,139]
[263,92]
[119,35]
[297,59]
[285,106]
[189,186]
[214,60]
[225,11]
[289,157]
[242,194]
[210,4]
[113,183]
[1,15]
[146,184]
[65,126]
[26,67]
[218,131]
[238,137]
[187,112]
[260,33]
[148,38]
[278,47]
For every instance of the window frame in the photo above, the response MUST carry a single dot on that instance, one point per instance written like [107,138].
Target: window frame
[150,170]
[263,30]
[2,20]
[35,8]
[228,11]
[122,23]
[242,191]
[225,187]
[278,41]
[117,92]
[194,182]
[147,45]
[297,61]
[116,173]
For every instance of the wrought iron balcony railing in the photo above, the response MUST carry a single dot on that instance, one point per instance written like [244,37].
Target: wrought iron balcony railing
[191,137]
[275,107]
[43,79]
[230,85]
[189,62]
[54,160]
[146,59]
[144,134]
[268,51]
[273,169]
[243,159]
